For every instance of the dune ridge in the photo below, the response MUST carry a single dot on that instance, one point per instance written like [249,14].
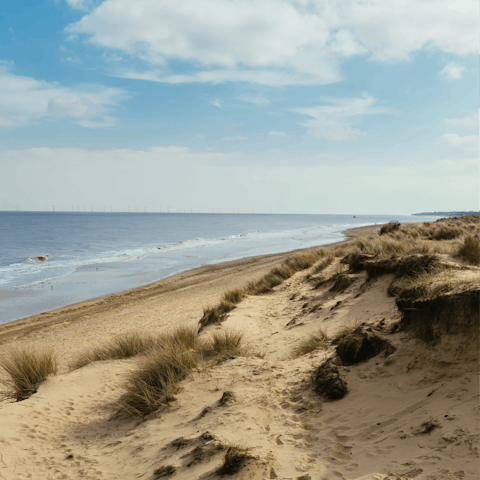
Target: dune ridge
[410,409]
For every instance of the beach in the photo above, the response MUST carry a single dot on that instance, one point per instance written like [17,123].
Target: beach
[72,428]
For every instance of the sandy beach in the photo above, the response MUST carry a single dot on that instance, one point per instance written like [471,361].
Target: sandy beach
[411,411]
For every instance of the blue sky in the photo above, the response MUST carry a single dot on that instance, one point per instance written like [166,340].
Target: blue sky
[292,106]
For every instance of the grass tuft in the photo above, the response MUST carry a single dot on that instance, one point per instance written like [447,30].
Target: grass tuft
[127,345]
[135,343]
[347,327]
[156,380]
[214,315]
[317,340]
[223,343]
[26,367]
[323,263]
[470,250]
[234,460]
[390,227]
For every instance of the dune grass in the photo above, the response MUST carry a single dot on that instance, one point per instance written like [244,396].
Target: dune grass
[323,263]
[390,227]
[315,341]
[295,263]
[469,250]
[234,460]
[127,345]
[292,265]
[26,367]
[349,326]
[223,343]
[155,382]
[136,343]
[229,300]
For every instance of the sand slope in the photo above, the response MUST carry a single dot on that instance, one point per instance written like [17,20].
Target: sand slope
[71,429]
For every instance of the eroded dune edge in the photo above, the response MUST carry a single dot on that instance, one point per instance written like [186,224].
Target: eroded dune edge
[354,361]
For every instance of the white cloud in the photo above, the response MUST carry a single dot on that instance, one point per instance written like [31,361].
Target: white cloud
[236,137]
[470,123]
[216,103]
[452,71]
[273,42]
[273,133]
[25,99]
[259,100]
[335,120]
[82,4]
[7,122]
[200,136]
[468,143]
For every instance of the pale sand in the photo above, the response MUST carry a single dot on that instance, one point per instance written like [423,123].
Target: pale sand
[66,430]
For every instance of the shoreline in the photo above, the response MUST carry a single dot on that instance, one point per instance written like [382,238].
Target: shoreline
[247,269]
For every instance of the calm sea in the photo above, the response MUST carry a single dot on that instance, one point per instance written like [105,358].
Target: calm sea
[93,254]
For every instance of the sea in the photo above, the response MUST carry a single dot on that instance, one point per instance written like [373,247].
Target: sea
[52,259]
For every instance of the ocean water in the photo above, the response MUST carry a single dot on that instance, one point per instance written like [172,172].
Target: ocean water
[93,254]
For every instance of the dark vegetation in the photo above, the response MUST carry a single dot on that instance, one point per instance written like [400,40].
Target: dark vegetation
[390,227]
[361,345]
[234,460]
[165,471]
[328,383]
[26,368]
[470,250]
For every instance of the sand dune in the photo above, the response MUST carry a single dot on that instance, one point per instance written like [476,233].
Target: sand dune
[410,414]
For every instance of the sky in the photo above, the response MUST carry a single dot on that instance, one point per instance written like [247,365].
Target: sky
[282,106]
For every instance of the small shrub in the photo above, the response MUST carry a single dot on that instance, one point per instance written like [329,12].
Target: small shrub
[470,250]
[234,461]
[156,380]
[316,340]
[390,227]
[27,367]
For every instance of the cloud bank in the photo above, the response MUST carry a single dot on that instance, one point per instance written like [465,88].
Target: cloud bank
[303,42]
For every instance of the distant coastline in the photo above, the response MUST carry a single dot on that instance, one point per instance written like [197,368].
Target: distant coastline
[448,214]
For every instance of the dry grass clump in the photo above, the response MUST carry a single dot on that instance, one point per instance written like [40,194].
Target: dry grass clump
[27,367]
[229,300]
[437,282]
[470,250]
[323,263]
[156,380]
[292,265]
[234,460]
[445,232]
[136,343]
[390,227]
[224,343]
[316,340]
[127,345]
